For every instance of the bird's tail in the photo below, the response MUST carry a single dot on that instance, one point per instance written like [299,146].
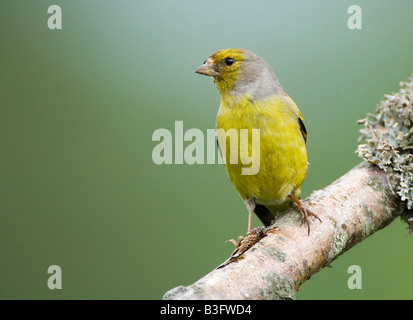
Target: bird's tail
[264,214]
[267,213]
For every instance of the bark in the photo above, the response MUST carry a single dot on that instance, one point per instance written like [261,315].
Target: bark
[353,207]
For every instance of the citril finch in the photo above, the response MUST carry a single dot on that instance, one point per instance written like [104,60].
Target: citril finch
[252,98]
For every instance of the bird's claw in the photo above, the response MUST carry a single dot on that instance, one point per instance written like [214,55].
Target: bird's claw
[243,244]
[236,243]
[305,215]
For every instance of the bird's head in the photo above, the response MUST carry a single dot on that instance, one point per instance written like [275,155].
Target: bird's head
[240,72]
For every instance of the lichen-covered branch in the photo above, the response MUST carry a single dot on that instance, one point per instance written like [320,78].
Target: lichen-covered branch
[352,208]
[388,143]
[364,200]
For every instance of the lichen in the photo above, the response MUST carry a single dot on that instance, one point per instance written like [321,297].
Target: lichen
[387,139]
[368,227]
[274,253]
[374,182]
[279,288]
[338,243]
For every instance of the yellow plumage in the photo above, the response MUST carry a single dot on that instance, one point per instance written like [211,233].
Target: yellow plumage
[252,98]
[283,156]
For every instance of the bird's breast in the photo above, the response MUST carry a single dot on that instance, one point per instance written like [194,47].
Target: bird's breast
[279,153]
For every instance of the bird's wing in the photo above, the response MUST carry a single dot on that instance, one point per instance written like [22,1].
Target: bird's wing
[302,127]
[299,118]
[219,149]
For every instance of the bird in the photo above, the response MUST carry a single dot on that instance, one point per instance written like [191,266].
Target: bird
[253,98]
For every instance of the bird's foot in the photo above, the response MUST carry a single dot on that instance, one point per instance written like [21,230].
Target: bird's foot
[244,243]
[236,243]
[305,212]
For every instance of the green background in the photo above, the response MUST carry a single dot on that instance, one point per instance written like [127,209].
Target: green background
[78,106]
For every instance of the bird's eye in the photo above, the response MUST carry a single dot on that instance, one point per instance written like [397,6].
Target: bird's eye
[229,61]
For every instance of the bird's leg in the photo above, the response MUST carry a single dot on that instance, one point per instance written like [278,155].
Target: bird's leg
[305,213]
[253,236]
[249,220]
[250,203]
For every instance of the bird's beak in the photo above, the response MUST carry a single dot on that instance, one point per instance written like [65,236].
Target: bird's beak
[208,69]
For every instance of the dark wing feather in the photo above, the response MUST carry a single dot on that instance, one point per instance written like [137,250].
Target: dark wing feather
[219,149]
[302,128]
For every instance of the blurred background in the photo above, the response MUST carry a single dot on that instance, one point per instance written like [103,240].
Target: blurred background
[78,108]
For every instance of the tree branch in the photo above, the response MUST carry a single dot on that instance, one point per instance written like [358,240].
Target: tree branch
[358,204]
[351,208]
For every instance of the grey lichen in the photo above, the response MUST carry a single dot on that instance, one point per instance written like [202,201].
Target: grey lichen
[274,253]
[388,139]
[374,182]
[279,288]
[338,243]
[369,226]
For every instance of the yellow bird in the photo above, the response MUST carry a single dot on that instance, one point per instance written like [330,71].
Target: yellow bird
[252,98]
